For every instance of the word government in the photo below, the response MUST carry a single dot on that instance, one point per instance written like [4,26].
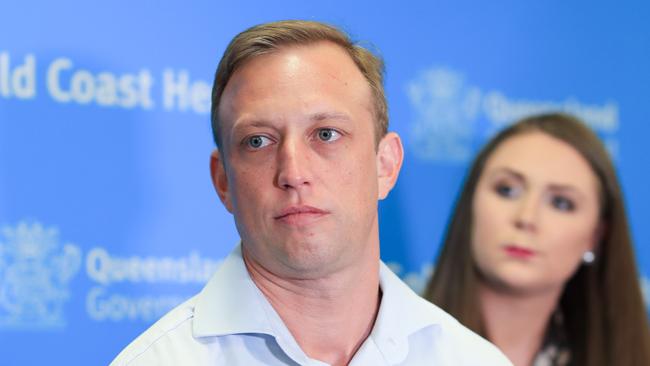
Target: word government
[104,306]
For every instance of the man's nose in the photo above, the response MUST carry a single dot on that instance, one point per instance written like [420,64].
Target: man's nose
[526,216]
[293,165]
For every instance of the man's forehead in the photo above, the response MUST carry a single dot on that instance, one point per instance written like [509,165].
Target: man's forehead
[301,73]
[321,57]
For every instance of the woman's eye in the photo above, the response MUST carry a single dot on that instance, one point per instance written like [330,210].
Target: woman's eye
[257,141]
[328,135]
[506,190]
[562,203]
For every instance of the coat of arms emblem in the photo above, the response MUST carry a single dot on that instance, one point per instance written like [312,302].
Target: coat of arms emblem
[446,112]
[34,274]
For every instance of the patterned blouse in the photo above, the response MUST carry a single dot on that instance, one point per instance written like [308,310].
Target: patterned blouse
[555,351]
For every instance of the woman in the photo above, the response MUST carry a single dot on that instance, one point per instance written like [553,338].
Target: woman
[538,256]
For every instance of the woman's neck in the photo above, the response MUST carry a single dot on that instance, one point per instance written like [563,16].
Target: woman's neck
[517,323]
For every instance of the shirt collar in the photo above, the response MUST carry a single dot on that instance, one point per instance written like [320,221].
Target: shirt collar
[231,303]
[402,313]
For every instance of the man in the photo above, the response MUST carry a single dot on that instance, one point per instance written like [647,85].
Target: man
[300,121]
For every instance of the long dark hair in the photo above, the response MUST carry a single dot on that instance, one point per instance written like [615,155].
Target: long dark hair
[604,315]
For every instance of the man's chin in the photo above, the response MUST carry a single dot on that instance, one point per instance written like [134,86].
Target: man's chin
[312,260]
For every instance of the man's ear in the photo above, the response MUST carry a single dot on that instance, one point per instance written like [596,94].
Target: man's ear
[220,179]
[390,155]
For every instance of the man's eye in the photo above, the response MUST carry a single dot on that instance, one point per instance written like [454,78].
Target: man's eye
[328,134]
[257,141]
[562,203]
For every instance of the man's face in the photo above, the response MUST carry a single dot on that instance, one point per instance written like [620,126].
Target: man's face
[302,173]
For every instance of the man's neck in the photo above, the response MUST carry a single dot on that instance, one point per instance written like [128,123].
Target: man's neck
[515,323]
[329,317]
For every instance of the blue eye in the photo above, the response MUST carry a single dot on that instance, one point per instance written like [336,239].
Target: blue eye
[328,135]
[257,141]
[562,203]
[506,191]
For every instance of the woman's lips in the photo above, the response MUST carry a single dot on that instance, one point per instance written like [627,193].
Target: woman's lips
[519,252]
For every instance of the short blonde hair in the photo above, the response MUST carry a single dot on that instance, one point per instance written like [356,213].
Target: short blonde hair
[269,37]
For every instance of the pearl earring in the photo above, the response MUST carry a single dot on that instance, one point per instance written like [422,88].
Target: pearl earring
[588,257]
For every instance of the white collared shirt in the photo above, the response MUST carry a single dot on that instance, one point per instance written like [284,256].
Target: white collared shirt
[230,322]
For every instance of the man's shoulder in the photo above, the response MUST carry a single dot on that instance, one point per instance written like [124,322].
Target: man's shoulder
[432,333]
[461,345]
[175,327]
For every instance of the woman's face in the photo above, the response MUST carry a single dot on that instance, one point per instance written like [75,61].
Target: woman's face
[535,213]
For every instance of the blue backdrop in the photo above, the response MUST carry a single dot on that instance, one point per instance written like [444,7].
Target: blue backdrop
[107,214]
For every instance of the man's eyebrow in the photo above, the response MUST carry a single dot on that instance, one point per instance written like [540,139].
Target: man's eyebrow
[250,123]
[323,116]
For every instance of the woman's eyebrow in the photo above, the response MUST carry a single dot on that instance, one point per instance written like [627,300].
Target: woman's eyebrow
[568,188]
[509,171]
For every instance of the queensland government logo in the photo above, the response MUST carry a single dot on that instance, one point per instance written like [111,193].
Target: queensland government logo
[34,273]
[452,116]
[446,114]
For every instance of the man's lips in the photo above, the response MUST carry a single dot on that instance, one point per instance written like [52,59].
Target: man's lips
[300,215]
